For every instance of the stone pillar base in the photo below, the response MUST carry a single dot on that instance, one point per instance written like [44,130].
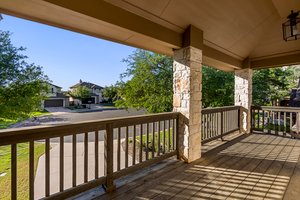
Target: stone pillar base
[243,95]
[187,80]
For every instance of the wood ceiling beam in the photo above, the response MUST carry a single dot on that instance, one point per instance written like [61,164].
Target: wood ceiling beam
[192,36]
[279,61]
[227,60]
[111,14]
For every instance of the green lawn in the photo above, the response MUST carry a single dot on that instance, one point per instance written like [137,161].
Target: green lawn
[276,127]
[270,126]
[22,161]
[39,113]
[5,123]
[22,169]
[144,138]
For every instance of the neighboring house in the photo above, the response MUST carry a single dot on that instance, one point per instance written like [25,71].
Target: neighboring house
[56,98]
[95,92]
[294,99]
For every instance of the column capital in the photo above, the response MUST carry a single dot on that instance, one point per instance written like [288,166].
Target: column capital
[192,36]
[188,53]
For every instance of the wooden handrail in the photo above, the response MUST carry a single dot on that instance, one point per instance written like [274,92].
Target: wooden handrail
[219,109]
[161,131]
[217,122]
[161,124]
[275,108]
[17,135]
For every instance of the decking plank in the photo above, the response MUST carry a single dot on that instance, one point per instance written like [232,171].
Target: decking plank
[250,179]
[267,171]
[140,188]
[292,192]
[254,150]
[207,160]
[218,181]
[164,174]
[256,167]
[238,176]
[168,187]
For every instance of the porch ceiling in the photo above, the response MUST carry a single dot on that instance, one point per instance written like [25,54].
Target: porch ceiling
[233,31]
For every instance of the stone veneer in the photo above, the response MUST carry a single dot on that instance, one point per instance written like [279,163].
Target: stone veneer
[243,94]
[187,86]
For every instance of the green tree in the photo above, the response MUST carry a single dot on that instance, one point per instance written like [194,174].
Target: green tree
[22,85]
[150,84]
[217,87]
[80,92]
[296,75]
[111,93]
[271,84]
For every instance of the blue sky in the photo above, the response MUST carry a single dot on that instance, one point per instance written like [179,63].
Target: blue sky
[66,56]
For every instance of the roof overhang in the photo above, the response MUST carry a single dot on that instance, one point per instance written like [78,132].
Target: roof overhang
[233,33]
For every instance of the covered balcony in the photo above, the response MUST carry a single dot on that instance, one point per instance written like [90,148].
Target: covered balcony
[177,154]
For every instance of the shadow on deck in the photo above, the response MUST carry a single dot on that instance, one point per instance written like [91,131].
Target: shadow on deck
[256,166]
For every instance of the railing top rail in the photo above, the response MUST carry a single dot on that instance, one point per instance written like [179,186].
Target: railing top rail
[277,108]
[220,109]
[43,132]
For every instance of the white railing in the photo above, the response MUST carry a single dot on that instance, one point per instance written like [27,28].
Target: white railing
[276,120]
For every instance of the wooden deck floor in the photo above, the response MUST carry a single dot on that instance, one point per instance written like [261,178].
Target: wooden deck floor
[252,167]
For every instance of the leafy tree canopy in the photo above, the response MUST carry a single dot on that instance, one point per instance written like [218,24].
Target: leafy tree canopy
[217,87]
[151,78]
[272,84]
[80,92]
[22,85]
[111,93]
[150,84]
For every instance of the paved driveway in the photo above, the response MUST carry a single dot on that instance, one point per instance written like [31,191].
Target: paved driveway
[69,117]
[58,110]
[65,116]
[106,114]
[39,183]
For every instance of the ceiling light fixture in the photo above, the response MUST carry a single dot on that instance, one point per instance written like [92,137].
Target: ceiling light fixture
[291,28]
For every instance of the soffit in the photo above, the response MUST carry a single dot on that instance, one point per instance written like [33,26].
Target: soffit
[53,15]
[240,29]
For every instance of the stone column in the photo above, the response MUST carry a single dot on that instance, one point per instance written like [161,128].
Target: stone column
[187,80]
[243,95]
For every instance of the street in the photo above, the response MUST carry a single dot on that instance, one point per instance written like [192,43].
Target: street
[97,115]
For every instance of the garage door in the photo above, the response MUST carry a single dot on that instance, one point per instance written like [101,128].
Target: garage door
[54,103]
[88,100]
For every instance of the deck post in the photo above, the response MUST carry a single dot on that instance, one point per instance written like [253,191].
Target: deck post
[108,159]
[240,119]
[243,97]
[187,85]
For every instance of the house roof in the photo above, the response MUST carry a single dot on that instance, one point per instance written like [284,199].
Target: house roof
[88,85]
[54,85]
